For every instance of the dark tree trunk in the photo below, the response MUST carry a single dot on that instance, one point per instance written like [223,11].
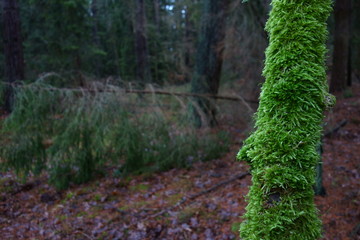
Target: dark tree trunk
[155,44]
[355,44]
[143,73]
[341,61]
[157,15]
[319,186]
[14,59]
[209,59]
[95,35]
[188,40]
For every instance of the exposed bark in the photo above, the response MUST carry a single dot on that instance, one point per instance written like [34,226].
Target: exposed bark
[341,59]
[143,73]
[209,59]
[14,59]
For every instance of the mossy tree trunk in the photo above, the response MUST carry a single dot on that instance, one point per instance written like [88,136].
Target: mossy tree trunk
[209,59]
[13,49]
[282,151]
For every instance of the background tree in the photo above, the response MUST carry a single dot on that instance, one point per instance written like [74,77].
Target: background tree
[355,44]
[282,150]
[57,36]
[341,69]
[13,49]
[209,58]
[143,73]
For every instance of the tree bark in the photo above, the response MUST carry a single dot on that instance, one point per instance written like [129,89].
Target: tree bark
[143,73]
[355,44]
[209,59]
[341,57]
[13,49]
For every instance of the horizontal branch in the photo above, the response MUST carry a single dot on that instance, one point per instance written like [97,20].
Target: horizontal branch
[160,92]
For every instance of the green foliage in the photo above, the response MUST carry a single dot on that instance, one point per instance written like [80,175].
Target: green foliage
[74,134]
[68,37]
[57,35]
[282,149]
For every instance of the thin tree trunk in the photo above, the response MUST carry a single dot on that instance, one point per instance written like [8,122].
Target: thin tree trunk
[156,44]
[95,35]
[14,59]
[143,73]
[355,45]
[188,43]
[209,59]
[157,15]
[339,76]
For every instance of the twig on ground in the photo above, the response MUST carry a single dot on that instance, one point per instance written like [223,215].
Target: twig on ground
[336,128]
[194,196]
[85,235]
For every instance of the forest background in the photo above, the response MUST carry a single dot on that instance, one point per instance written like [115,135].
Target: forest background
[95,81]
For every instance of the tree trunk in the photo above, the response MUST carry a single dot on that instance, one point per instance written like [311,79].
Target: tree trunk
[282,151]
[355,44]
[341,57]
[157,15]
[13,49]
[319,186]
[143,73]
[95,35]
[209,59]
[188,42]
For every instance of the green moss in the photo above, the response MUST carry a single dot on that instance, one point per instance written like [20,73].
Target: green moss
[187,213]
[62,217]
[235,227]
[81,214]
[69,196]
[139,188]
[348,93]
[97,197]
[173,199]
[282,149]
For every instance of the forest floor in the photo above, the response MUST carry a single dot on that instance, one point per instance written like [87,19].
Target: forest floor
[180,203]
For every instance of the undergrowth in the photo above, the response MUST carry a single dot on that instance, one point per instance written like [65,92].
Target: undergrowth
[73,134]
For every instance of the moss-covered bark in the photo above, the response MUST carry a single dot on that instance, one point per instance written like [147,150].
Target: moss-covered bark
[282,149]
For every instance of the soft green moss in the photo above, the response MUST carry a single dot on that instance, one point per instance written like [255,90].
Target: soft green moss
[282,149]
